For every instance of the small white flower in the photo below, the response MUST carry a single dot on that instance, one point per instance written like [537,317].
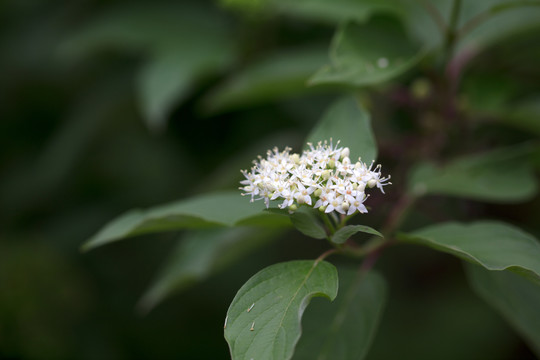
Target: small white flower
[303,194]
[335,204]
[357,203]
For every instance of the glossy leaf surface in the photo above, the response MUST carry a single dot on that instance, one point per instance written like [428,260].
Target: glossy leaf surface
[263,320]
[307,222]
[493,245]
[209,210]
[368,54]
[346,232]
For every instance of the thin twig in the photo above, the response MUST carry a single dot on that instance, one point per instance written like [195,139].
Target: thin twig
[436,15]
[325,254]
[450,39]
[328,223]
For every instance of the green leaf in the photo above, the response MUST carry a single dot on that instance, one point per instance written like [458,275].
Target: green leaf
[144,27]
[368,54]
[198,255]
[523,115]
[263,321]
[158,31]
[515,298]
[335,11]
[502,175]
[277,76]
[167,79]
[208,210]
[344,329]
[494,245]
[307,222]
[346,121]
[486,23]
[346,232]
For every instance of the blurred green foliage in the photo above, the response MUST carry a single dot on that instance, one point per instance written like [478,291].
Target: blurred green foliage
[110,105]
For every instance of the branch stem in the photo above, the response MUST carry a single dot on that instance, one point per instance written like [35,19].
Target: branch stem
[451,32]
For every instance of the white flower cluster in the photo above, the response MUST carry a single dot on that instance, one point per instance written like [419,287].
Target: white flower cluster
[323,177]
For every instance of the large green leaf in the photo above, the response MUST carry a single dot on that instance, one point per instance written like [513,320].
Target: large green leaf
[209,210]
[517,300]
[494,245]
[346,232]
[263,321]
[277,76]
[344,329]
[346,121]
[502,175]
[368,54]
[198,255]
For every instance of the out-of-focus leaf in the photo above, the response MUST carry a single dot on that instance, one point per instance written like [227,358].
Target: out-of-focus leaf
[493,245]
[335,11]
[209,210]
[346,232]
[499,19]
[277,76]
[489,93]
[164,33]
[515,298]
[320,10]
[145,27]
[307,222]
[502,175]
[198,255]
[344,329]
[523,115]
[347,122]
[495,20]
[368,54]
[168,77]
[263,320]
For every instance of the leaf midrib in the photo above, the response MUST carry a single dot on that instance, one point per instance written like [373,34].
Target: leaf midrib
[315,264]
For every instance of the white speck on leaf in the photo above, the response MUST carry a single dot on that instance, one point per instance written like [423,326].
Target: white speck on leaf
[382,62]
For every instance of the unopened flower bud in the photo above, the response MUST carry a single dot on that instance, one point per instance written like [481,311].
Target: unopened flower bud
[420,88]
[295,158]
[345,152]
[293,207]
[361,186]
[317,192]
[325,174]
[331,164]
[372,183]
[345,205]
[322,208]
